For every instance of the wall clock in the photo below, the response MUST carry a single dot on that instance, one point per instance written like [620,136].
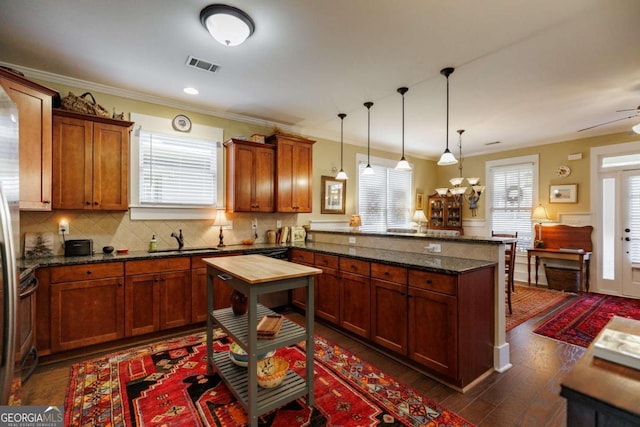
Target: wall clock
[563,171]
[181,123]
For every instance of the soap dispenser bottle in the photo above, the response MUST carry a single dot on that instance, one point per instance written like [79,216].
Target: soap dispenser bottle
[153,244]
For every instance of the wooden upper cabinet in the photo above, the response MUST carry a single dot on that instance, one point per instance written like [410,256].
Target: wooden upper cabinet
[294,172]
[250,176]
[34,110]
[90,162]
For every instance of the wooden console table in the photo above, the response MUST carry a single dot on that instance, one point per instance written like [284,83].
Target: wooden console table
[603,393]
[255,275]
[555,237]
[583,260]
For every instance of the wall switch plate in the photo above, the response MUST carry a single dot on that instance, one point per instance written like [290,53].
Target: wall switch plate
[434,248]
[63,229]
[278,224]
[352,239]
[309,236]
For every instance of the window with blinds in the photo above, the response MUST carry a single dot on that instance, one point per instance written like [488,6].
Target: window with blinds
[384,198]
[176,171]
[512,201]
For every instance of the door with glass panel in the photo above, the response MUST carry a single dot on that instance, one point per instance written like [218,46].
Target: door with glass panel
[630,237]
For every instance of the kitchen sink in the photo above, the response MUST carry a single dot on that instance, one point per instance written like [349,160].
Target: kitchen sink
[183,250]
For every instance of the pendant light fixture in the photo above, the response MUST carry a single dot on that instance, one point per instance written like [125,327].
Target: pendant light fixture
[342,174]
[403,165]
[229,25]
[368,170]
[447,157]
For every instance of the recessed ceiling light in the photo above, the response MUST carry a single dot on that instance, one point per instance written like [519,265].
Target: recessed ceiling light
[191,90]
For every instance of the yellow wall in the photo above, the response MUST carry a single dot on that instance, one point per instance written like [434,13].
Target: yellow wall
[550,157]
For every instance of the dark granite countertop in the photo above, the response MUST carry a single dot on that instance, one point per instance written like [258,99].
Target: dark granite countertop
[429,262]
[429,235]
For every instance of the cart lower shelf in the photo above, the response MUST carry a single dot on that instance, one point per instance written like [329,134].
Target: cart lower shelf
[292,387]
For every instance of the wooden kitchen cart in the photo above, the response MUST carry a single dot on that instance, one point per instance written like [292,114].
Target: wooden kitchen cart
[254,275]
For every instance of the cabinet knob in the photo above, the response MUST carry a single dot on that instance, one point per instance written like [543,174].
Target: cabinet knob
[155,280]
[88,271]
[386,273]
[429,281]
[95,203]
[47,202]
[87,203]
[119,284]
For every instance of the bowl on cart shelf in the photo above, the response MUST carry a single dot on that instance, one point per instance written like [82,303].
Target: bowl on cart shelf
[239,357]
[271,371]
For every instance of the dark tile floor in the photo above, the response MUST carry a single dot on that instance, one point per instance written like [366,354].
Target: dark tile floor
[525,395]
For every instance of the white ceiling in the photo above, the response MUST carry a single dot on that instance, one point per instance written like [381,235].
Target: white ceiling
[527,72]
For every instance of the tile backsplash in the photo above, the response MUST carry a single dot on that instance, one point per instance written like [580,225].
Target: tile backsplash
[118,230]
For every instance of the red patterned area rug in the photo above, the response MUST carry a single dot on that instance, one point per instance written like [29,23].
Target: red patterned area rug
[165,384]
[528,301]
[581,322]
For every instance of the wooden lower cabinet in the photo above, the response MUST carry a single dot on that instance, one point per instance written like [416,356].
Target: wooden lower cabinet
[86,305]
[327,295]
[221,292]
[160,299]
[355,307]
[298,295]
[389,315]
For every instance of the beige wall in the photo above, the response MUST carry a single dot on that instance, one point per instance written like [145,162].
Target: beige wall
[550,157]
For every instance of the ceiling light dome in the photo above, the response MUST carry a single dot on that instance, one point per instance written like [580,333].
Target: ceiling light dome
[227,24]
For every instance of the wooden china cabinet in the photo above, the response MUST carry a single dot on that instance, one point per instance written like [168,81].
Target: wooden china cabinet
[444,213]
[90,162]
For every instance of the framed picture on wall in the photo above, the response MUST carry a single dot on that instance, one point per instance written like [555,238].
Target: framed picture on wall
[334,195]
[565,193]
[419,201]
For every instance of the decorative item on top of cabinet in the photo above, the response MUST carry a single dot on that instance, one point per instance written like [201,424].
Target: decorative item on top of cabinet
[294,173]
[34,131]
[90,162]
[444,213]
[250,176]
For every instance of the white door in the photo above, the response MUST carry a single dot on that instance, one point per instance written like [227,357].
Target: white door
[630,232]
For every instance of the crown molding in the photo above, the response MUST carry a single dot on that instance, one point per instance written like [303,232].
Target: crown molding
[138,96]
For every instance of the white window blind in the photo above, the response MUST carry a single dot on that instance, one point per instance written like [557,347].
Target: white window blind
[176,171]
[633,220]
[512,201]
[384,199]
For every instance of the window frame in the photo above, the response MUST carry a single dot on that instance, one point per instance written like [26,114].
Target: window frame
[161,125]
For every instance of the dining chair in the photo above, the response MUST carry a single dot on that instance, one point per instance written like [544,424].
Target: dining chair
[509,264]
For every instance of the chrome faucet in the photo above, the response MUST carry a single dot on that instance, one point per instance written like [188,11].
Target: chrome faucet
[179,238]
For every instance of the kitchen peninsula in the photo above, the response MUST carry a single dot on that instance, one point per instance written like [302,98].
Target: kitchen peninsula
[459,282]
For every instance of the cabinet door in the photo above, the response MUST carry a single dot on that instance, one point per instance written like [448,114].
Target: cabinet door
[389,315]
[175,299]
[264,180]
[142,296]
[110,167]
[355,311]
[244,178]
[198,295]
[432,329]
[85,313]
[72,163]
[34,110]
[327,295]
[302,178]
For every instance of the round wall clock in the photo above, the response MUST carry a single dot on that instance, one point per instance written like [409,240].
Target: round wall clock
[181,123]
[563,171]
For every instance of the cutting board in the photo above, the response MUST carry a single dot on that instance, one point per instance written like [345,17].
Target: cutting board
[259,268]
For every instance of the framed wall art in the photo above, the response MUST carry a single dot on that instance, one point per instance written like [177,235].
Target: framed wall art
[565,193]
[334,195]
[419,201]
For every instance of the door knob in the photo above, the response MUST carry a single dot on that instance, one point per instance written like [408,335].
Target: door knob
[626,230]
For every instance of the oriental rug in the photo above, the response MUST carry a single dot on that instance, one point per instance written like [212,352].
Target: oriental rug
[580,322]
[528,301]
[166,384]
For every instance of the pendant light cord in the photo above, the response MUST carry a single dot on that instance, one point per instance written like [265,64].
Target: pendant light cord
[402,91]
[342,116]
[368,105]
[447,72]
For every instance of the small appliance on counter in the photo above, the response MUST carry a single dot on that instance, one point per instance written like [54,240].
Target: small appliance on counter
[79,247]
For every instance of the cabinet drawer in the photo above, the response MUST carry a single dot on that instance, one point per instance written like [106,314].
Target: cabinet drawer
[157,265]
[298,255]
[74,273]
[433,281]
[391,273]
[329,261]
[355,266]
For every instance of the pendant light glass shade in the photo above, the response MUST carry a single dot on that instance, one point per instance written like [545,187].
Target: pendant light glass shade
[368,170]
[403,164]
[342,174]
[229,25]
[447,157]
[636,128]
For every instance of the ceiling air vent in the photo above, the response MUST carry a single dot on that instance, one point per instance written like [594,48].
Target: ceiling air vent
[202,64]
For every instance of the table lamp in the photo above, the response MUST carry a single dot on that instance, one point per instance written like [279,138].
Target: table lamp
[355,221]
[539,214]
[420,218]
[221,221]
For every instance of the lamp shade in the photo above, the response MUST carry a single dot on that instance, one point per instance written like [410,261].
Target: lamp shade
[540,214]
[229,25]
[355,221]
[636,128]
[419,216]
[221,219]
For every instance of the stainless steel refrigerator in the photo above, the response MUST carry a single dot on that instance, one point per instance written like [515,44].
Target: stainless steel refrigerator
[9,242]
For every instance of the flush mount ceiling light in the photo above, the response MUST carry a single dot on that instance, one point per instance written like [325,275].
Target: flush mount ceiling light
[447,158]
[191,91]
[342,174]
[403,165]
[227,24]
